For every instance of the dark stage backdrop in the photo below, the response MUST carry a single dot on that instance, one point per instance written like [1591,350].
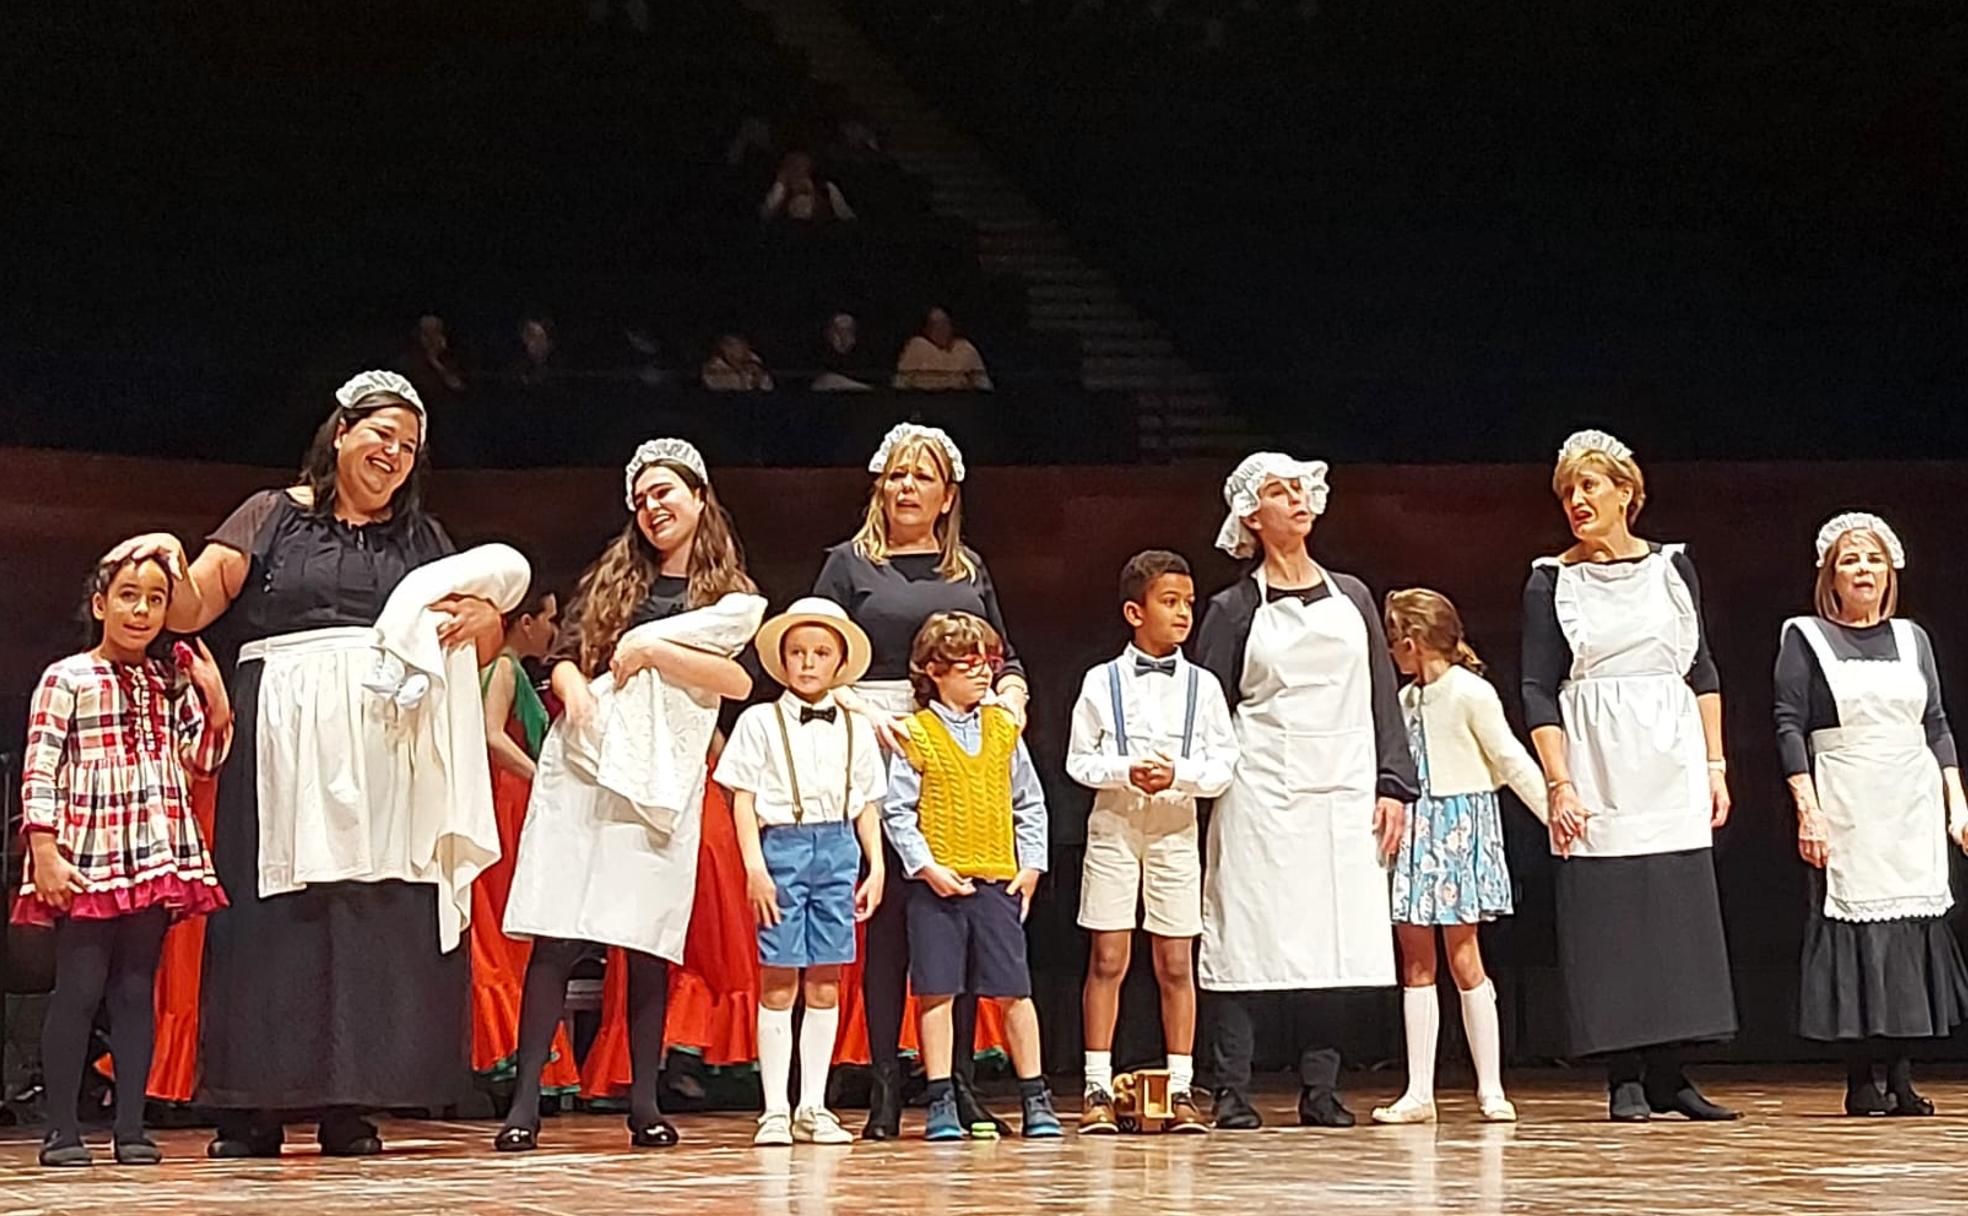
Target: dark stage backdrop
[1055,539]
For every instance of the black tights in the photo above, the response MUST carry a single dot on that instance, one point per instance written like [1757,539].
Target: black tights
[110,961]
[544,998]
[1863,1057]
[885,989]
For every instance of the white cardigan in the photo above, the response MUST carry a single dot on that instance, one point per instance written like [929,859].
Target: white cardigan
[1470,747]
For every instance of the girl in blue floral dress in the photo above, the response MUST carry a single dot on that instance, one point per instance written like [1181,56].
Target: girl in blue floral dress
[1449,872]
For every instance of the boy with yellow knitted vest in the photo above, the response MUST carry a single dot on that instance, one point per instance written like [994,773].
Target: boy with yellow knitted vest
[967,817]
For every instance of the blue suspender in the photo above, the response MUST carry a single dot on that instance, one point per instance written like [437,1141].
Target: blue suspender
[1120,715]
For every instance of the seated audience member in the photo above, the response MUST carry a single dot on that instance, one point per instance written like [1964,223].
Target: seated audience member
[799,193]
[937,360]
[734,367]
[431,365]
[535,364]
[843,362]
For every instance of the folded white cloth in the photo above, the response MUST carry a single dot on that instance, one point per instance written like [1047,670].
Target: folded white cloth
[648,739]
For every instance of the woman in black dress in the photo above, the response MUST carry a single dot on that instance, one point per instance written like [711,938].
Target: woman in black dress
[335,999]
[906,563]
[1873,770]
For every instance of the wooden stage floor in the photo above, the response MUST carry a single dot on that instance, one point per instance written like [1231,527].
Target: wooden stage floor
[1792,1153]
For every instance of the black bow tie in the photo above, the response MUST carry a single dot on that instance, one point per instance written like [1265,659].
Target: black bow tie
[810,714]
[1304,595]
[1142,666]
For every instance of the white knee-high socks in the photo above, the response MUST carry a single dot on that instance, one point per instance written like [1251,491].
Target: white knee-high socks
[1479,1024]
[1421,1011]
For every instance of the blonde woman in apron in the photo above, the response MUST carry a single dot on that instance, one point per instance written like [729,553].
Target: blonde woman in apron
[1625,710]
[1295,897]
[905,564]
[1873,770]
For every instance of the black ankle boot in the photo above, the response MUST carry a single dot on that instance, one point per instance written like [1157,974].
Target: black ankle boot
[884,1104]
[1234,1112]
[1322,1108]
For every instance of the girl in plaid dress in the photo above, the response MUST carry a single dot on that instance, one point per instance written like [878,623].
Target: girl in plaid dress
[114,854]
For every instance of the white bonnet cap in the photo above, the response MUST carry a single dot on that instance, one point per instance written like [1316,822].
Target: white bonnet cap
[363,384]
[909,432]
[1241,488]
[676,451]
[1849,521]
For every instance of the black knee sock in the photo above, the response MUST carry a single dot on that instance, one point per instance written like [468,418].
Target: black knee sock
[130,992]
[649,1002]
[83,952]
[542,1000]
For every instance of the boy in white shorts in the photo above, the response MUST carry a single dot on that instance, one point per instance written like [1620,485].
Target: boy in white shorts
[1151,734]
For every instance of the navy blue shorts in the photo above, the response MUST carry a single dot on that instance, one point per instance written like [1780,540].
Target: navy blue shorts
[967,943]
[814,867]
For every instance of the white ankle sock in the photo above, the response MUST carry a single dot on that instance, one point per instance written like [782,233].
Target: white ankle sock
[1421,1012]
[1100,1071]
[817,1032]
[1182,1073]
[1479,1024]
[775,1057]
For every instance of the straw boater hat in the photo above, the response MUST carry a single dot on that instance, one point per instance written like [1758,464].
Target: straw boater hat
[815,610]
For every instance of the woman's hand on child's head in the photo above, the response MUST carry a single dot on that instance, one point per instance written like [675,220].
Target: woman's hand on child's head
[946,882]
[763,896]
[1023,886]
[153,544]
[868,896]
[1390,820]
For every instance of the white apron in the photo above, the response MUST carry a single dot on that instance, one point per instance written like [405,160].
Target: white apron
[1633,733]
[1295,896]
[1879,786]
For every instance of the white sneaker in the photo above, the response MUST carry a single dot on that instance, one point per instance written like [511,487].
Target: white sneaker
[1496,1108]
[773,1131]
[817,1125]
[1406,1109]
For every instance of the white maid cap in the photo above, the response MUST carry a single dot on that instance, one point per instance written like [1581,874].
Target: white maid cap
[1852,521]
[1241,488]
[364,384]
[654,451]
[910,432]
[1579,443]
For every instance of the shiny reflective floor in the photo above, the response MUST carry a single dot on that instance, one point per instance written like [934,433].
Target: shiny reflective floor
[1792,1153]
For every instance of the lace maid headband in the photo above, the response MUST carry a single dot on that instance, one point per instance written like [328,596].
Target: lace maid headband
[1839,525]
[675,451]
[1241,488]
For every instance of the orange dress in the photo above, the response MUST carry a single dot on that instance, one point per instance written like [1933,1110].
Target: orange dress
[498,963]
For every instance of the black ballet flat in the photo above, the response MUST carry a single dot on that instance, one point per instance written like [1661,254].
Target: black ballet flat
[349,1138]
[515,1140]
[238,1148]
[659,1133]
[1908,1104]
[1689,1103]
[1323,1109]
[1234,1113]
[1867,1102]
[62,1152]
[140,1151]
[1627,1103]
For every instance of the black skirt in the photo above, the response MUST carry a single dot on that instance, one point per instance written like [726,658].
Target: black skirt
[1888,979]
[1641,951]
[335,995]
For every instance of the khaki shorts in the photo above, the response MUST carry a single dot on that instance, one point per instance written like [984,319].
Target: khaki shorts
[1147,853]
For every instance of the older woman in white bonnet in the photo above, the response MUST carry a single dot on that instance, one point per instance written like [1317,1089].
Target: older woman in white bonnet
[1318,800]
[1876,779]
[1625,710]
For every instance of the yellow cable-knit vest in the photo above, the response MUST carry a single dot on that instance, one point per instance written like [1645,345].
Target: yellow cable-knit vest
[965,809]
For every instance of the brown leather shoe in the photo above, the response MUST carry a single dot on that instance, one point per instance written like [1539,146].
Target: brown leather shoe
[1097,1114]
[1184,1116]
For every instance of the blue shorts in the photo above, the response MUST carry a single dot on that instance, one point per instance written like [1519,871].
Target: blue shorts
[814,866]
[967,943]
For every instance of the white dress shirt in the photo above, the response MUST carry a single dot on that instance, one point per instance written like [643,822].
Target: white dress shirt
[1153,706]
[755,760]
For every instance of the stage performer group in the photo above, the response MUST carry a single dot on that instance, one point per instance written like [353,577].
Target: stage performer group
[412,849]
